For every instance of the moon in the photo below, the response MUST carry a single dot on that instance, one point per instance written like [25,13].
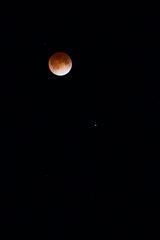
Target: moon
[60,63]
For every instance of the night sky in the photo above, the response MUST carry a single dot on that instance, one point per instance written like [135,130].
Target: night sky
[73,144]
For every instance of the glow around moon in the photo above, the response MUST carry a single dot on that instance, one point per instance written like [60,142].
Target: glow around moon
[60,63]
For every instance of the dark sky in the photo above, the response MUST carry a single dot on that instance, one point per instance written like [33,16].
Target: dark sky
[56,163]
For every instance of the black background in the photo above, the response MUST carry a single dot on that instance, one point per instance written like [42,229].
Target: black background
[58,172]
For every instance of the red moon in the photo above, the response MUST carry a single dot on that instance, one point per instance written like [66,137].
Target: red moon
[60,63]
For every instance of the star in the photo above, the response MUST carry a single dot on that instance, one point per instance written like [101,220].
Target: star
[93,124]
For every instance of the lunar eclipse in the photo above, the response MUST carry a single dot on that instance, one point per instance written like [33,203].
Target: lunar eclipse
[60,63]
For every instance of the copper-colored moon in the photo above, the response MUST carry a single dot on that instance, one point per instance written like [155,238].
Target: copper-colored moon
[60,63]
